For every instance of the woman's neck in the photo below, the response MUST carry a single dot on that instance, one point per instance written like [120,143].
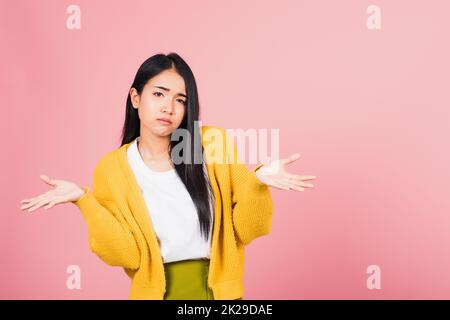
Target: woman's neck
[153,148]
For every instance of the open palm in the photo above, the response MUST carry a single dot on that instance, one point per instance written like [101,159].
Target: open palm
[275,174]
[63,191]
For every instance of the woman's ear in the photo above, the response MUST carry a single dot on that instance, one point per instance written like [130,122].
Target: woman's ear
[134,96]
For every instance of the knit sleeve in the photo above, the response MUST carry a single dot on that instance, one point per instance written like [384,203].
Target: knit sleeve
[109,236]
[251,199]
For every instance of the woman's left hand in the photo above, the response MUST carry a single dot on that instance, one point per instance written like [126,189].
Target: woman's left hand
[274,174]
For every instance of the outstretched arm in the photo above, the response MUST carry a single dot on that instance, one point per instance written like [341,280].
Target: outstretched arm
[109,236]
[251,198]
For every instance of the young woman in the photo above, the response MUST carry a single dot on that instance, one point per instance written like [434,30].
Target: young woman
[177,228]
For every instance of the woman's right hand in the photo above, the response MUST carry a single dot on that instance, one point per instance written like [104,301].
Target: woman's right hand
[62,192]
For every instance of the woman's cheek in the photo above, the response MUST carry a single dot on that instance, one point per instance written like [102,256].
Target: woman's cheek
[179,115]
[145,114]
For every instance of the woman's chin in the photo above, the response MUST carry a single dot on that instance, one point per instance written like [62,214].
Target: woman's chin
[163,131]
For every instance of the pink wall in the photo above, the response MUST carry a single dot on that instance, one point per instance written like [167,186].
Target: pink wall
[367,109]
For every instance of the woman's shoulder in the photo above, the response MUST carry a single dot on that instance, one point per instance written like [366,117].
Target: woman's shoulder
[213,130]
[107,161]
[211,127]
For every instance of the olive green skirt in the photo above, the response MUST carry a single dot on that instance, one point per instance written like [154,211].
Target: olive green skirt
[188,280]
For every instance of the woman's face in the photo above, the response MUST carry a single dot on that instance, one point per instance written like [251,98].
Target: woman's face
[163,97]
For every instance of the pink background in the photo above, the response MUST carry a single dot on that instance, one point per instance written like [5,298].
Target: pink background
[367,109]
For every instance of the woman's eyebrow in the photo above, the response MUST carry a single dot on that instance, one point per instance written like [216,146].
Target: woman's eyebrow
[167,89]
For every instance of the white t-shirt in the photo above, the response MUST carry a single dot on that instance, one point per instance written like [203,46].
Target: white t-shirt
[172,211]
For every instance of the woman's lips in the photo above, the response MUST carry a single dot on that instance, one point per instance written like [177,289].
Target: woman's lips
[165,122]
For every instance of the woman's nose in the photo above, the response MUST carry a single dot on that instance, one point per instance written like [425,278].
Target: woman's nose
[168,107]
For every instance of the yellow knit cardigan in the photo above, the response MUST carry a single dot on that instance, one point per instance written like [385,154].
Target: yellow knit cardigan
[120,230]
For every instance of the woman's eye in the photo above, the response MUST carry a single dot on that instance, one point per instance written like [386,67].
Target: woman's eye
[158,94]
[182,101]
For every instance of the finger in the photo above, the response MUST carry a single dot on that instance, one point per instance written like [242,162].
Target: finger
[293,184]
[25,206]
[308,177]
[280,186]
[293,176]
[285,184]
[49,205]
[26,200]
[299,177]
[292,158]
[47,180]
[28,205]
[49,202]
[38,205]
[298,188]
[35,200]
[301,183]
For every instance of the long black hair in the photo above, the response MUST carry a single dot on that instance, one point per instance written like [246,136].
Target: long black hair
[193,175]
